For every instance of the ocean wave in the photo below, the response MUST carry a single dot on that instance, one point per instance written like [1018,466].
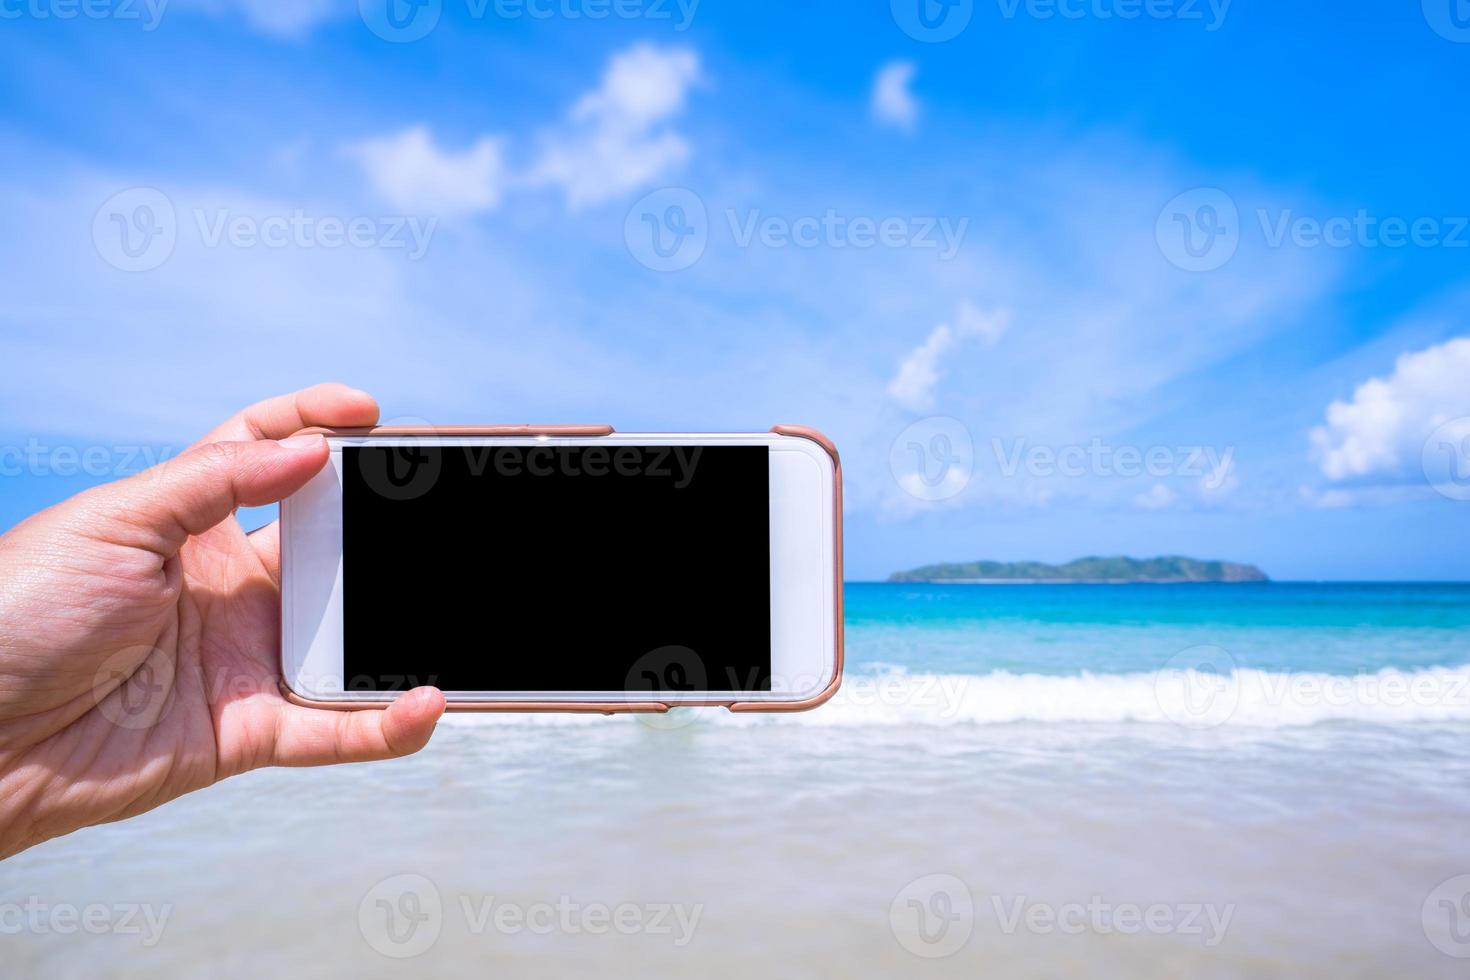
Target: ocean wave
[1189,698]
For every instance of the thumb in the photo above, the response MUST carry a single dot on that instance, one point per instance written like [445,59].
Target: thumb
[159,508]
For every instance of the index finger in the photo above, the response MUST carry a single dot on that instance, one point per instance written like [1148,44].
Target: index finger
[328,404]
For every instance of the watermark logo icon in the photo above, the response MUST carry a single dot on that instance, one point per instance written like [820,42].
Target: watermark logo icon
[1446,917]
[402,472]
[1446,459]
[933,459]
[135,230]
[1198,687]
[1450,19]
[134,688]
[400,21]
[1199,230]
[932,21]
[667,230]
[401,916]
[933,916]
[665,671]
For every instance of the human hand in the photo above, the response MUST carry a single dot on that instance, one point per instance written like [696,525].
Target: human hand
[140,635]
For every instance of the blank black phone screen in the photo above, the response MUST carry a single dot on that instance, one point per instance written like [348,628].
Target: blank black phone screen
[547,567]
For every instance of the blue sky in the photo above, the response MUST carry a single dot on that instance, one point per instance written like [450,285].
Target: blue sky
[966,259]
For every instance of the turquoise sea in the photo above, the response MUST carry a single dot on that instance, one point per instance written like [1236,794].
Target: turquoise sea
[1337,628]
[1030,781]
[1275,654]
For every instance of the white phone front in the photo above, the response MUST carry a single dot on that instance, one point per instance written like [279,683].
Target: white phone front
[566,568]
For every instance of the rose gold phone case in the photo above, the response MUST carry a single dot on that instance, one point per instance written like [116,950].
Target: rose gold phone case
[607,708]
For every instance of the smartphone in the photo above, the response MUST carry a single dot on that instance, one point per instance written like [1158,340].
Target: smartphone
[571,568]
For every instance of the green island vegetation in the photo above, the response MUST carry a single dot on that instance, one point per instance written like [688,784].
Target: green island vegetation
[1166,569]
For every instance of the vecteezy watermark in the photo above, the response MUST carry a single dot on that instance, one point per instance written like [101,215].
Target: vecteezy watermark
[1445,917]
[1204,687]
[1210,13]
[410,469]
[300,229]
[39,459]
[939,697]
[1446,459]
[144,920]
[137,229]
[833,229]
[379,683]
[669,230]
[134,687]
[933,916]
[674,673]
[1450,19]
[1198,687]
[932,21]
[147,13]
[402,21]
[677,676]
[676,464]
[404,915]
[401,916]
[569,917]
[933,458]
[1201,229]
[1211,465]
[402,472]
[1204,920]
[668,672]
[1362,229]
[1385,689]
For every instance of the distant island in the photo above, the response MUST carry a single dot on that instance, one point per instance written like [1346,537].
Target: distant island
[1092,571]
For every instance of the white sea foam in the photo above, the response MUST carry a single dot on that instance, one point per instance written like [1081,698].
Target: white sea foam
[1188,698]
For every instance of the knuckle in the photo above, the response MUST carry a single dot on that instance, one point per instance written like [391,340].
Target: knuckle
[216,455]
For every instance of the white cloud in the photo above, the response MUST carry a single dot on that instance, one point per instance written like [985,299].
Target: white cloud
[640,87]
[1380,432]
[989,327]
[1109,323]
[1222,480]
[414,174]
[1157,497]
[913,386]
[892,103]
[919,373]
[616,137]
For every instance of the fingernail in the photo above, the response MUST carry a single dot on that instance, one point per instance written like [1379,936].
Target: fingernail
[310,441]
[426,694]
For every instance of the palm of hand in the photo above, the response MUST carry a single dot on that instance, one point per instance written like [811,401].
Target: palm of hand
[138,663]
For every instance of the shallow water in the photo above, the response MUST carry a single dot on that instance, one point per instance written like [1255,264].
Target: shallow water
[860,840]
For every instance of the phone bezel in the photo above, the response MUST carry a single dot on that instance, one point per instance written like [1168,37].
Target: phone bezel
[806,588]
